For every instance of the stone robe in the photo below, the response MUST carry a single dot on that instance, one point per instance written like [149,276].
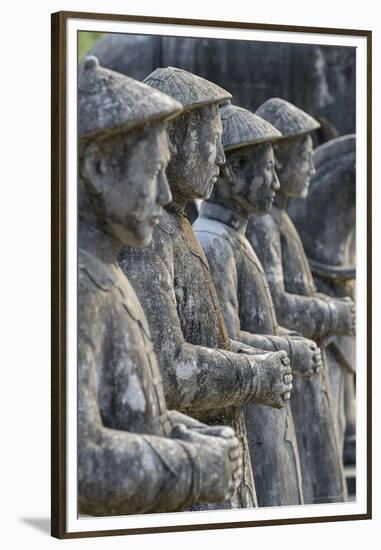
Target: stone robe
[126,461]
[202,377]
[248,309]
[299,307]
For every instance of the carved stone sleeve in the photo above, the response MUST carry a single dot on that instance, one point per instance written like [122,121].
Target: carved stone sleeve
[196,378]
[220,254]
[120,472]
[308,315]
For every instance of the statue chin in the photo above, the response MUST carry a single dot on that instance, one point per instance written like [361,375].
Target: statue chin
[138,237]
[263,208]
[303,193]
[209,188]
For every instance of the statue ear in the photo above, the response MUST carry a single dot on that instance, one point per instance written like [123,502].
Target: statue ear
[94,166]
[227,172]
[171,140]
[278,164]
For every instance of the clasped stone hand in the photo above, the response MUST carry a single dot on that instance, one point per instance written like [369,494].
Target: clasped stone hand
[272,379]
[219,457]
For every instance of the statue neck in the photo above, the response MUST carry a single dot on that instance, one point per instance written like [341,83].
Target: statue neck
[178,204]
[281,200]
[92,234]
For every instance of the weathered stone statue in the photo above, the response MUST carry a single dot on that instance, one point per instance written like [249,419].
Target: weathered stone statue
[134,455]
[243,291]
[248,187]
[204,373]
[274,237]
[326,222]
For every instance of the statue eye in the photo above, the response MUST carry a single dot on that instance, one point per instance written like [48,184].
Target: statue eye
[237,163]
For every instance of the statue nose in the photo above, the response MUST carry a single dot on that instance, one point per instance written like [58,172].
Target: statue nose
[276,184]
[164,195]
[220,157]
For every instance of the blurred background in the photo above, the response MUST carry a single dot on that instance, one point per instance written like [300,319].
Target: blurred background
[319,79]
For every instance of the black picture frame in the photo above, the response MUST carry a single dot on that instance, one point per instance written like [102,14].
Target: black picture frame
[59,273]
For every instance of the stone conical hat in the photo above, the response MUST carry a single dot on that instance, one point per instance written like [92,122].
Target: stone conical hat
[242,128]
[287,118]
[187,88]
[109,102]
[334,150]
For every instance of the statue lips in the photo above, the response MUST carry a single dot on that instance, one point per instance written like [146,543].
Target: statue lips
[155,219]
[304,189]
[214,177]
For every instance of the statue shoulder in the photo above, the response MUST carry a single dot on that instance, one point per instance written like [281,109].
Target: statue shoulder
[95,283]
[131,259]
[93,272]
[261,229]
[214,233]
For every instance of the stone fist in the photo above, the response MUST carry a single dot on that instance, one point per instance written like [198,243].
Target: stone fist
[346,316]
[305,356]
[272,379]
[219,457]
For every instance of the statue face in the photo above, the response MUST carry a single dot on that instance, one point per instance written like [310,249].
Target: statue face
[127,173]
[254,180]
[294,165]
[310,65]
[197,152]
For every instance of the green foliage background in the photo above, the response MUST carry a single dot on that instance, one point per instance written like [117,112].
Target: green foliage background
[86,40]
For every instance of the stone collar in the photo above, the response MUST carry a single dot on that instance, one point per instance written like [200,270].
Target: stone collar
[223,214]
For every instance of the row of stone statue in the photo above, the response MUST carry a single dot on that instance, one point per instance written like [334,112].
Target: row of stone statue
[171,315]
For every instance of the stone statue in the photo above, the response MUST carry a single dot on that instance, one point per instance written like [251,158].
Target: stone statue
[134,456]
[243,292]
[274,237]
[247,187]
[326,222]
[205,373]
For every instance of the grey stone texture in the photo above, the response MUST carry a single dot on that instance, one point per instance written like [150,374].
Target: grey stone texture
[190,89]
[207,320]
[246,186]
[319,79]
[235,270]
[298,304]
[134,456]
[326,222]
[288,119]
[242,128]
[205,373]
[110,102]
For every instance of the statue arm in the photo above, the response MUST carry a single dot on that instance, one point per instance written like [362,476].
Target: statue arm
[343,314]
[220,254]
[283,331]
[303,353]
[120,472]
[308,315]
[196,378]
